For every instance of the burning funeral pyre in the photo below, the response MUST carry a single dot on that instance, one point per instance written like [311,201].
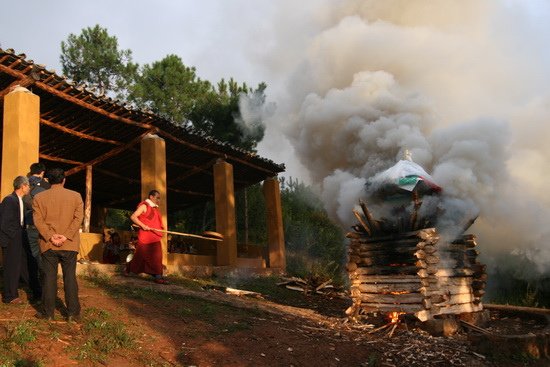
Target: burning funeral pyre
[405,263]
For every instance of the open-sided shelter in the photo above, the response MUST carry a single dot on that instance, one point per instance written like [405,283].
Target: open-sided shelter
[114,155]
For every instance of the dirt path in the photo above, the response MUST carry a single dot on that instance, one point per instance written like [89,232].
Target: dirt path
[175,326]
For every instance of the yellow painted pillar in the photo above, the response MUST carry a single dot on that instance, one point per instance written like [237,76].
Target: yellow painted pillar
[275,232]
[153,177]
[224,197]
[21,136]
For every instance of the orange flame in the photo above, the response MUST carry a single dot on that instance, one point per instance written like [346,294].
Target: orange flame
[394,316]
[399,292]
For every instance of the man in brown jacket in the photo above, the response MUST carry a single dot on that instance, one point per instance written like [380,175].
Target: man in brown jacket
[58,214]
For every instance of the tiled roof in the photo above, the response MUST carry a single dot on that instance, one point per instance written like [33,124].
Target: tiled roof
[79,128]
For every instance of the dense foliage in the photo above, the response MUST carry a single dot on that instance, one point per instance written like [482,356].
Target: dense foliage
[95,58]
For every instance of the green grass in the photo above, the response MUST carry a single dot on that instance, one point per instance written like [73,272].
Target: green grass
[13,344]
[102,335]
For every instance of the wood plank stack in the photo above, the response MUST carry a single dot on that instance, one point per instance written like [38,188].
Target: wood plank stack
[412,272]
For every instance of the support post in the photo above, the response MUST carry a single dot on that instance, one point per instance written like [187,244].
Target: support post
[21,136]
[88,202]
[153,177]
[275,232]
[225,213]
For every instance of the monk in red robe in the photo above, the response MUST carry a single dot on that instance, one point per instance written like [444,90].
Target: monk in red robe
[148,256]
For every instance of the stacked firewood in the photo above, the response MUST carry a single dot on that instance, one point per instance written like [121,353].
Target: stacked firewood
[412,272]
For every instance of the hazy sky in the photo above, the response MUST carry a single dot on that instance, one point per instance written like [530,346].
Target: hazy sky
[207,34]
[462,84]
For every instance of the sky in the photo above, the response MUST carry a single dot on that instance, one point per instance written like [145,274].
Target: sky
[352,84]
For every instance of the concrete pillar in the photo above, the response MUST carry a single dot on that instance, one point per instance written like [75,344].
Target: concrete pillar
[153,177]
[275,233]
[21,136]
[225,213]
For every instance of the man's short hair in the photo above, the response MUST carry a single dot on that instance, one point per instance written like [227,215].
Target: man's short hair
[20,181]
[153,193]
[56,176]
[37,168]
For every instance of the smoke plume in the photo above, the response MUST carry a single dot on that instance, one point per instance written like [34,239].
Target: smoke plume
[462,85]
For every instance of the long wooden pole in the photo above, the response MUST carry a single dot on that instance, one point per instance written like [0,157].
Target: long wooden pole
[182,234]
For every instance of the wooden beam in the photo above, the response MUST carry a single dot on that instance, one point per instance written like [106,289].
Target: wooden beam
[213,152]
[10,71]
[108,155]
[25,82]
[115,175]
[91,107]
[193,193]
[194,171]
[78,133]
[60,160]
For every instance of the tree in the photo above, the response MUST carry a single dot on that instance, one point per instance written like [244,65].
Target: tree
[94,57]
[171,89]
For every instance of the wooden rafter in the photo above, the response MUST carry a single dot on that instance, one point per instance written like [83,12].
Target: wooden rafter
[116,175]
[92,107]
[186,192]
[60,160]
[213,152]
[77,133]
[109,154]
[25,82]
[194,171]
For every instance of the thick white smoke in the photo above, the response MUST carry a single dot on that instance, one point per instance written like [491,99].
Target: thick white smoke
[462,84]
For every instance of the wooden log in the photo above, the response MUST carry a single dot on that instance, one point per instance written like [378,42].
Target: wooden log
[448,290]
[405,298]
[353,235]
[388,279]
[453,299]
[454,272]
[390,250]
[478,293]
[362,222]
[481,277]
[351,267]
[478,284]
[457,309]
[479,268]
[426,248]
[386,308]
[428,234]
[370,218]
[422,234]
[387,260]
[359,230]
[421,264]
[367,245]
[366,261]
[424,315]
[429,271]
[454,281]
[385,270]
[387,288]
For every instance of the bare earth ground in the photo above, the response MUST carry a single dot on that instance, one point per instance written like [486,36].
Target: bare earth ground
[185,325]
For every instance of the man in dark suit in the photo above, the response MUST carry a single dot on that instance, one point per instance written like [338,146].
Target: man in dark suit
[15,245]
[58,214]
